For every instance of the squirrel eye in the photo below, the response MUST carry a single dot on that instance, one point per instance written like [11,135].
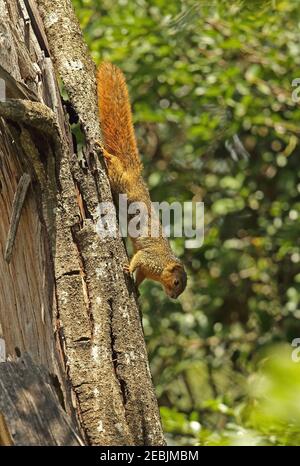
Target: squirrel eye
[176,282]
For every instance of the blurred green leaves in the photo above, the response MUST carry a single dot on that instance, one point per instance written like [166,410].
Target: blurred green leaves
[274,407]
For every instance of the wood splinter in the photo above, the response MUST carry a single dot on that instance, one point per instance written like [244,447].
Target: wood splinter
[17,206]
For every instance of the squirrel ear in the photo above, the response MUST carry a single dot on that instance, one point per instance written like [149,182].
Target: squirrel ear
[172,267]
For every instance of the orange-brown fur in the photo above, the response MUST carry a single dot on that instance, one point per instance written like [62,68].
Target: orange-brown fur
[153,256]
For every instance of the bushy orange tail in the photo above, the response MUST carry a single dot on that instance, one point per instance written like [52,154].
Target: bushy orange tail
[115,116]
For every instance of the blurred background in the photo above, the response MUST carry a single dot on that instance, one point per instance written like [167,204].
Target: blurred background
[211,84]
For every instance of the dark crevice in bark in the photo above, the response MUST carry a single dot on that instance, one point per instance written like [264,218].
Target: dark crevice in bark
[124,391]
[86,214]
[83,340]
[71,273]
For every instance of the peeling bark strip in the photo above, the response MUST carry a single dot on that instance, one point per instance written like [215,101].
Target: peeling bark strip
[29,410]
[106,353]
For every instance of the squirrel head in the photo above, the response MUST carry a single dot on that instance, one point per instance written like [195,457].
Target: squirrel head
[174,279]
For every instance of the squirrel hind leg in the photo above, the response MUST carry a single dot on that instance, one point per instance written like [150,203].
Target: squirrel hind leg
[116,171]
[107,155]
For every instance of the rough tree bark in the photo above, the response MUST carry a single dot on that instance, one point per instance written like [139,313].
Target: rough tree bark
[63,296]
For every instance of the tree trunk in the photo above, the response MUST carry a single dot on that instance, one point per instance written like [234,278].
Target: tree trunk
[64,299]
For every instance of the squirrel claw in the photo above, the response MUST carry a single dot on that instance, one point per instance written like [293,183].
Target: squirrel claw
[126,268]
[105,154]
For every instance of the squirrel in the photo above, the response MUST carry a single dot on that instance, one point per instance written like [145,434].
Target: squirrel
[153,257]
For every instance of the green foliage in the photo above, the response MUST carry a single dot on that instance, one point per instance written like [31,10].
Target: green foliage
[211,88]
